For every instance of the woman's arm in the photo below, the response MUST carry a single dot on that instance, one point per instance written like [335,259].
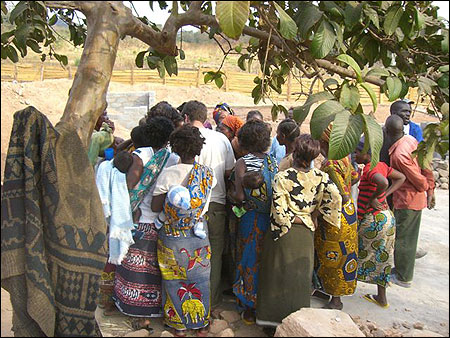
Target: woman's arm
[158,202]
[238,195]
[382,183]
[397,179]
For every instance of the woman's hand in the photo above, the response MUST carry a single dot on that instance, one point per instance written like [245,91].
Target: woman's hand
[377,205]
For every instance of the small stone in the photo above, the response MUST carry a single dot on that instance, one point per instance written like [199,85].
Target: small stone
[406,325]
[418,326]
[356,318]
[442,172]
[217,326]
[444,186]
[379,333]
[365,331]
[371,326]
[166,334]
[443,180]
[140,333]
[435,175]
[230,316]
[216,313]
[442,324]
[226,333]
[407,310]
[337,319]
[442,165]
[396,325]
[27,102]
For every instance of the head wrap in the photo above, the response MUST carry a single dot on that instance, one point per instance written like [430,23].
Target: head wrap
[326,133]
[233,122]
[220,108]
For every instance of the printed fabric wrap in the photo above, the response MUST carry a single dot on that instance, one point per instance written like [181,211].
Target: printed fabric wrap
[149,175]
[199,186]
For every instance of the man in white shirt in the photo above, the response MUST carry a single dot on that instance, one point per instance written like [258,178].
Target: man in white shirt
[217,153]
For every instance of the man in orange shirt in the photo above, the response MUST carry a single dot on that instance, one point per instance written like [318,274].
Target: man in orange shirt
[409,200]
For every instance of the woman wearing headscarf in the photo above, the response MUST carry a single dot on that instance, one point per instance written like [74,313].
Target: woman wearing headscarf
[221,111]
[184,258]
[230,126]
[337,248]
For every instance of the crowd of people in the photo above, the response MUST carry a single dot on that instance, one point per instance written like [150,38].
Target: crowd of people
[196,211]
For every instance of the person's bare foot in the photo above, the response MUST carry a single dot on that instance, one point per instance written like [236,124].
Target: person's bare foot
[335,304]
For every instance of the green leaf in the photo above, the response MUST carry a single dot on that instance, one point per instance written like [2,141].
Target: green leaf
[232,16]
[12,54]
[394,86]
[386,4]
[374,134]
[352,13]
[308,16]
[322,116]
[425,85]
[345,135]
[4,8]
[372,95]
[444,43]
[140,59]
[301,112]
[241,62]
[254,41]
[444,109]
[333,9]
[274,112]
[209,76]
[17,11]
[339,35]
[353,64]
[257,94]
[444,69]
[373,16]
[170,62]
[219,82]
[371,50]
[323,40]
[182,55]
[161,69]
[34,46]
[419,21]
[288,27]
[349,97]
[378,72]
[330,82]
[392,19]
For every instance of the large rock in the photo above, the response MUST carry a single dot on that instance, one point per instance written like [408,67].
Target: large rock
[226,333]
[230,316]
[442,165]
[443,173]
[309,322]
[444,186]
[140,333]
[443,180]
[217,326]
[435,175]
[422,333]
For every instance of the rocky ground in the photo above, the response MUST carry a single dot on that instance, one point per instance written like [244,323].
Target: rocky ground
[417,311]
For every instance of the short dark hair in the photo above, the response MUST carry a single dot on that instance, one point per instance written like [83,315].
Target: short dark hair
[290,129]
[252,113]
[187,141]
[138,137]
[195,110]
[397,106]
[254,136]
[157,131]
[165,109]
[122,161]
[306,149]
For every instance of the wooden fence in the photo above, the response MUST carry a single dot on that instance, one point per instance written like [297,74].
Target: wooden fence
[241,82]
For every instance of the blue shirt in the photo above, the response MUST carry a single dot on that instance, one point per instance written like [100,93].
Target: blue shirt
[415,131]
[276,150]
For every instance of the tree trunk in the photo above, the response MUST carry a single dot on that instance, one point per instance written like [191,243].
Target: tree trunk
[87,97]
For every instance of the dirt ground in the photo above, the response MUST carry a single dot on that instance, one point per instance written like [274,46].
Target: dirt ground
[50,98]
[426,302]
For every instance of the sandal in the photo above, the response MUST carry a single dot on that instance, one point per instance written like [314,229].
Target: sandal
[140,323]
[372,299]
[247,321]
[179,333]
[203,332]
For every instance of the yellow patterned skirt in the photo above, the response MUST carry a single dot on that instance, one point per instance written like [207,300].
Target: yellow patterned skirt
[336,253]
